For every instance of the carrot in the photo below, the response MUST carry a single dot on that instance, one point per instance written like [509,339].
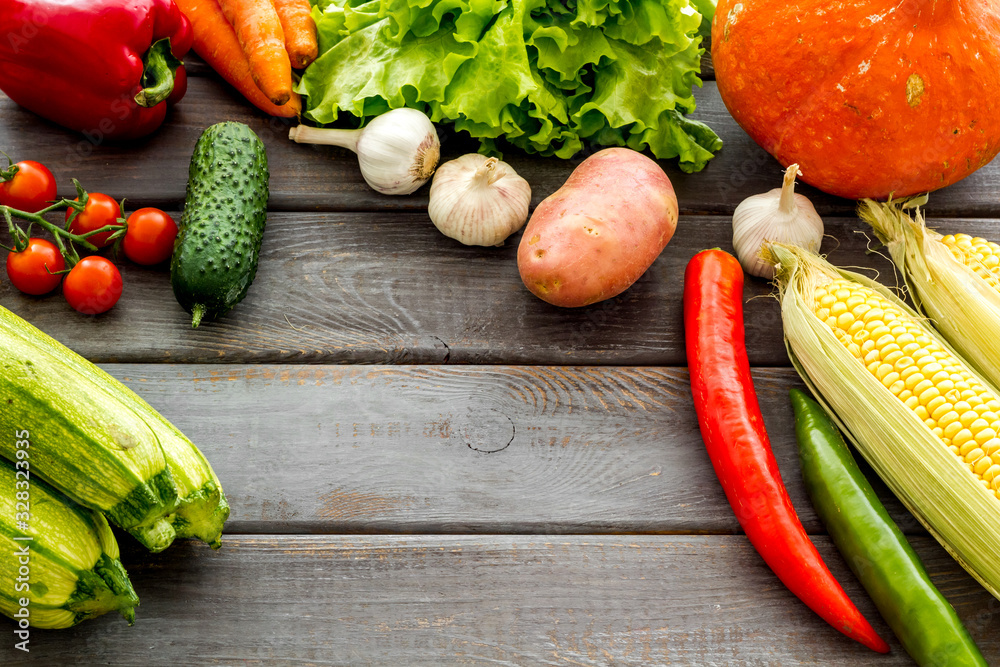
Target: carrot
[263,41]
[215,41]
[300,31]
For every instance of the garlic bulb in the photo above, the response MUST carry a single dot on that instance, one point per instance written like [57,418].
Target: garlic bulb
[397,152]
[478,200]
[779,215]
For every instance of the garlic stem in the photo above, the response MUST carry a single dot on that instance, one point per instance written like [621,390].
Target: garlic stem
[303,134]
[787,202]
[487,174]
[478,200]
[778,215]
[397,151]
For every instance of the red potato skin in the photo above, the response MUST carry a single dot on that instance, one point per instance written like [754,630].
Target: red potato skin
[598,233]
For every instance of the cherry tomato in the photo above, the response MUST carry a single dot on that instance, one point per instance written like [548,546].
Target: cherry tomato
[93,286]
[150,236]
[31,189]
[27,269]
[100,211]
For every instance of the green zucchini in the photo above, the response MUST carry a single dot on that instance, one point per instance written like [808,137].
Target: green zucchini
[73,570]
[218,244]
[85,442]
[201,508]
[193,505]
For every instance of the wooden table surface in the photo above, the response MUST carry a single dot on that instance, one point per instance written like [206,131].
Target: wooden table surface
[426,464]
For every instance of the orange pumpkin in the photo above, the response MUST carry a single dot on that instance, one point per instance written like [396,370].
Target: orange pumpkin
[869,97]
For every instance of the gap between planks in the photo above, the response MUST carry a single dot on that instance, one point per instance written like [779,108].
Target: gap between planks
[492,599]
[465,449]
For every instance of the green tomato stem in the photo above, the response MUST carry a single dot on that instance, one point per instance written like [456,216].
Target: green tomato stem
[57,231]
[10,171]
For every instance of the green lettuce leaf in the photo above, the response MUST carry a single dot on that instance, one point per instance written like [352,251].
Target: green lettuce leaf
[542,75]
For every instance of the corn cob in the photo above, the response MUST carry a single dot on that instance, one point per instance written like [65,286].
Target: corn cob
[928,379]
[919,413]
[953,279]
[980,255]
[73,567]
[199,508]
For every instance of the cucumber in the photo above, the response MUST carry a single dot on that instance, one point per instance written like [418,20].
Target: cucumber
[218,244]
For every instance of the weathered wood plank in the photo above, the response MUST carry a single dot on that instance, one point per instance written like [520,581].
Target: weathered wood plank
[388,288]
[154,170]
[461,600]
[497,449]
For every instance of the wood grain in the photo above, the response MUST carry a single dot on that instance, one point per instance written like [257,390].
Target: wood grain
[491,600]
[562,512]
[389,288]
[153,171]
[484,449]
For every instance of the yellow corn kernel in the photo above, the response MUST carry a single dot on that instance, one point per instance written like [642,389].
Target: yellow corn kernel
[873,315]
[938,407]
[952,403]
[980,464]
[968,418]
[985,435]
[980,255]
[889,378]
[952,429]
[928,395]
[962,437]
[892,356]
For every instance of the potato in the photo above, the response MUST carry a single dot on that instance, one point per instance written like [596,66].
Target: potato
[593,237]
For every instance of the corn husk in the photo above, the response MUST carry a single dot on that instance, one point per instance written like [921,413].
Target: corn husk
[939,490]
[963,307]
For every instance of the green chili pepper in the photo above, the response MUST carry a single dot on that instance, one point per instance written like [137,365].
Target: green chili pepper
[873,545]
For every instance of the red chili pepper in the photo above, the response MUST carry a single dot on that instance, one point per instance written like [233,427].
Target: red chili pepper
[737,444]
[103,67]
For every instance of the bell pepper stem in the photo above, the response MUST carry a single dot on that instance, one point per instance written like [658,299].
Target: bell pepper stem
[158,75]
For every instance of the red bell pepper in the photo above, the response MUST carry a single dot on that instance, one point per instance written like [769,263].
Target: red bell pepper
[102,67]
[733,430]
